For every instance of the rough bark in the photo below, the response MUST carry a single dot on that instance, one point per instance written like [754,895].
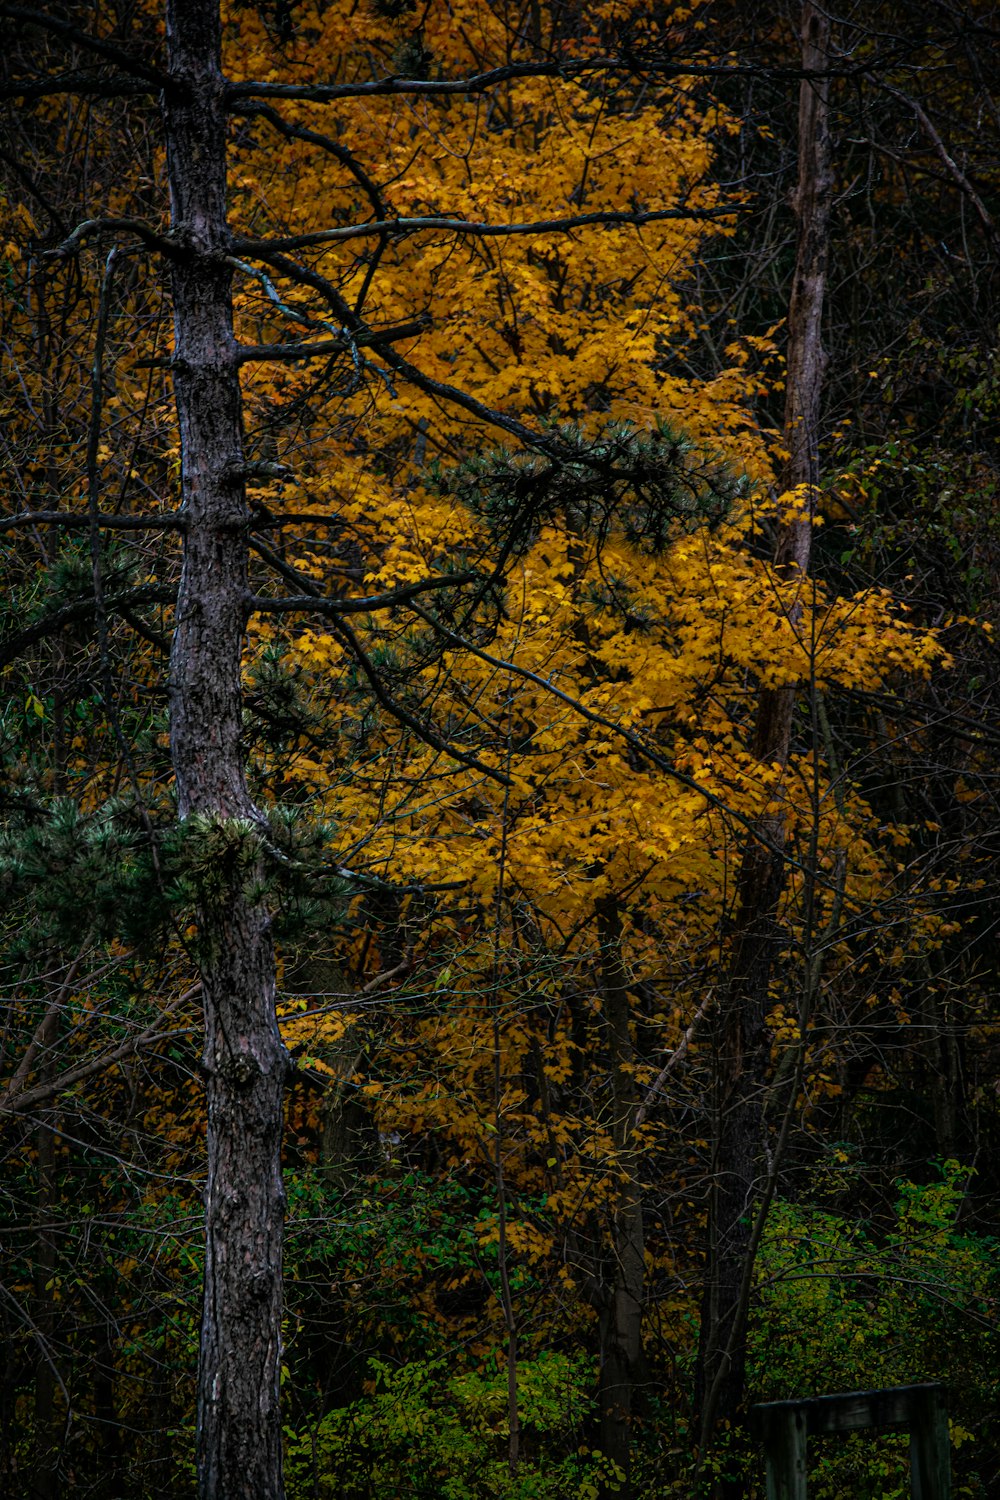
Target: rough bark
[742,1039]
[245,1062]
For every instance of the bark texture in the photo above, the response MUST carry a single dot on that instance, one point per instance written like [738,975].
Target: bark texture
[245,1062]
[742,1039]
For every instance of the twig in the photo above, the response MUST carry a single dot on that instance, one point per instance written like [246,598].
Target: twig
[677,1056]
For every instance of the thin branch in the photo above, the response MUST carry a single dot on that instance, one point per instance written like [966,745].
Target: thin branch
[295,314]
[335,608]
[145,630]
[89,43]
[375,338]
[677,1056]
[75,83]
[963,726]
[480,229]
[946,159]
[326,143]
[174,522]
[314,600]
[635,741]
[32,187]
[91,227]
[45,1349]
[480,83]
[321,284]
[541,442]
[12,645]
[393,706]
[43,1032]
[42,1092]
[265,520]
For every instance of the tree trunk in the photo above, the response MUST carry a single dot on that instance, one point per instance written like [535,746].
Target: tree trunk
[622,1293]
[741,1036]
[245,1062]
[349,1144]
[45,1478]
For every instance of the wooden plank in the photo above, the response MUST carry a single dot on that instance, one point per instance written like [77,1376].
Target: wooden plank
[785,1427]
[930,1447]
[859,1409]
[848,1411]
[785,1455]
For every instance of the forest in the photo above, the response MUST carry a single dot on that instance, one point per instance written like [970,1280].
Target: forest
[500,743]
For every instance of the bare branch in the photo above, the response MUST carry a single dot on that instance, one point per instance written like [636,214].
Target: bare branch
[629,737]
[370,604]
[96,44]
[326,143]
[676,1056]
[422,730]
[12,645]
[91,227]
[450,394]
[399,228]
[91,84]
[480,83]
[173,522]
[374,338]
[26,1099]
[334,610]
[145,630]
[946,159]
[265,520]
[28,182]
[44,1032]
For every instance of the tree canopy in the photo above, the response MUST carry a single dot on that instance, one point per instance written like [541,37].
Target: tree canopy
[498,766]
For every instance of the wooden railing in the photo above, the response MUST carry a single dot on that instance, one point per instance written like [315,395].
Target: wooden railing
[784,1427]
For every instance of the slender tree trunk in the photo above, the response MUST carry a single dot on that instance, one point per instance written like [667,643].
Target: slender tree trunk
[109,1485]
[624,1288]
[45,1481]
[245,1063]
[742,1039]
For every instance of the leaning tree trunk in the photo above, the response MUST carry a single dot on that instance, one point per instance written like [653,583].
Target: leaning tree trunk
[238,1426]
[742,1038]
